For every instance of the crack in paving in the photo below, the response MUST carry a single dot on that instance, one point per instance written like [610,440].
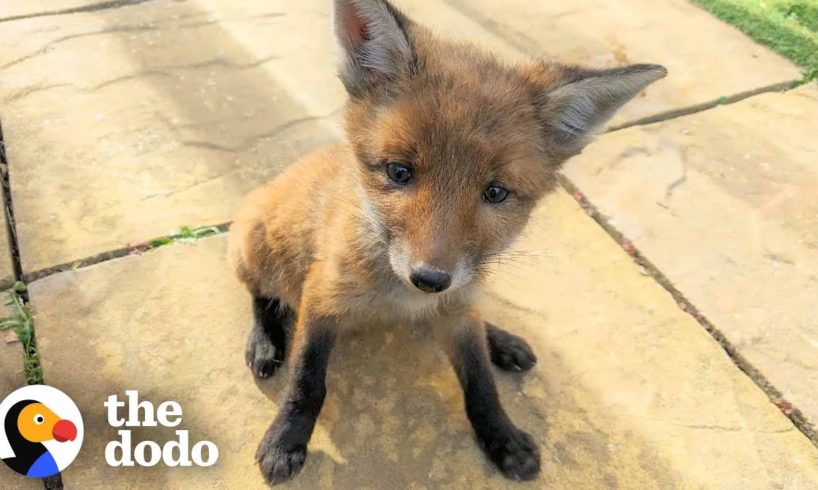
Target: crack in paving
[693,109]
[95,7]
[253,140]
[51,44]
[123,29]
[165,71]
[798,419]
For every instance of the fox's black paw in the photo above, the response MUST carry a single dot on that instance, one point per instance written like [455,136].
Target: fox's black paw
[262,356]
[515,454]
[509,352]
[278,460]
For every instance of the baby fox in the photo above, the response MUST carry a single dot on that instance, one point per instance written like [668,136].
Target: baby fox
[448,150]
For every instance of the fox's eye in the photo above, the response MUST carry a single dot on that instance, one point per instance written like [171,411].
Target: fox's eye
[39,419]
[399,173]
[494,194]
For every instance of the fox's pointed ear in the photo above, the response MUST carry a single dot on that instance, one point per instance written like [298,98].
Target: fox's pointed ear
[375,45]
[580,103]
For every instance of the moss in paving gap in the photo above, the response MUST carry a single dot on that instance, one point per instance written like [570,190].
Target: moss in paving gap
[185,234]
[786,26]
[21,321]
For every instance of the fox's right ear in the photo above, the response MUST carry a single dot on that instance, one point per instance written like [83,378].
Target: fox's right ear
[375,46]
[584,99]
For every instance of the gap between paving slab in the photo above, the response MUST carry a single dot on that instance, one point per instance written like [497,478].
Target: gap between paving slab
[685,111]
[139,248]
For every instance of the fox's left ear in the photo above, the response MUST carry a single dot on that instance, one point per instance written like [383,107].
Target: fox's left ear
[376,48]
[577,102]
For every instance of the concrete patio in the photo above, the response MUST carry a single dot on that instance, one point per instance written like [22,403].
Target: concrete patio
[694,366]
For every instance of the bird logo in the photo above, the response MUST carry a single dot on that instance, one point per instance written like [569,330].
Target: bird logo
[41,429]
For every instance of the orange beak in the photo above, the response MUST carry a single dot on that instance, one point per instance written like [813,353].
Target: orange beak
[64,430]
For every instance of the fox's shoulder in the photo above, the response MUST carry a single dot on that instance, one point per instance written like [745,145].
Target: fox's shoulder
[300,178]
[276,224]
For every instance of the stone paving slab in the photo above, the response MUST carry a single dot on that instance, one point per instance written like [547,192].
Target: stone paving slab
[126,123]
[660,406]
[723,203]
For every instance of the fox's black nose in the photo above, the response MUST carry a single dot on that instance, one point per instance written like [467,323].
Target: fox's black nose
[430,279]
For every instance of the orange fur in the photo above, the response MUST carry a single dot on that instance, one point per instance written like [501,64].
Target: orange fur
[464,120]
[313,217]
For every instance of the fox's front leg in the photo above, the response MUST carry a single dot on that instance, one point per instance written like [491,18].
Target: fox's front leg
[512,450]
[266,344]
[282,451]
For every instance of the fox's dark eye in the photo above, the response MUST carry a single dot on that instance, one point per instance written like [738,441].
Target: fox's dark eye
[399,173]
[494,194]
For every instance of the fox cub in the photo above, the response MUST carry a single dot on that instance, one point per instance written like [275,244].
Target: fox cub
[448,150]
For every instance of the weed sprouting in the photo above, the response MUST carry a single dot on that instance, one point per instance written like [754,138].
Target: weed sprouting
[21,321]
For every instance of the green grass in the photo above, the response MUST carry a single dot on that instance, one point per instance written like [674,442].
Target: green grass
[22,323]
[789,27]
[185,234]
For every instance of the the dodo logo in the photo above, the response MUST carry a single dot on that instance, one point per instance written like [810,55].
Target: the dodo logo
[41,431]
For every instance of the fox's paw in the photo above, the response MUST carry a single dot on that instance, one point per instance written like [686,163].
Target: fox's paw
[261,355]
[509,352]
[515,454]
[277,460]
